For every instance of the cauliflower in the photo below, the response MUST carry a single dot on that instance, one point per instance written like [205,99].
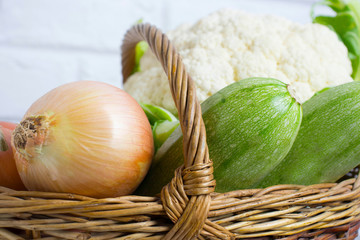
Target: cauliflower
[230,45]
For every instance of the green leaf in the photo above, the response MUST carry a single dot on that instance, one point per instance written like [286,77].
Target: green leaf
[3,146]
[140,20]
[162,122]
[335,5]
[346,23]
[156,113]
[162,129]
[140,50]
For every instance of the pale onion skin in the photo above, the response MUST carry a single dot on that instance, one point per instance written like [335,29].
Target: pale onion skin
[9,176]
[96,141]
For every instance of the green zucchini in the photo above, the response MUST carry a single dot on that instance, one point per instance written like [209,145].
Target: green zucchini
[250,127]
[328,143]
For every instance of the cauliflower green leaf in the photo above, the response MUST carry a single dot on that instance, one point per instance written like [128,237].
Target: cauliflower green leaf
[162,122]
[346,23]
[140,49]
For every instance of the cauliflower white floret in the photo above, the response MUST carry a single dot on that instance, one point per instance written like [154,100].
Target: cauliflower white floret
[230,45]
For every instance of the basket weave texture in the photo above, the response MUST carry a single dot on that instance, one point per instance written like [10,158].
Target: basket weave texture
[188,207]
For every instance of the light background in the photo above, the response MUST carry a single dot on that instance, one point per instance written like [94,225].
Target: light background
[44,43]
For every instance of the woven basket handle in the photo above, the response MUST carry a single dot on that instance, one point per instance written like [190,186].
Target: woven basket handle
[181,85]
[195,178]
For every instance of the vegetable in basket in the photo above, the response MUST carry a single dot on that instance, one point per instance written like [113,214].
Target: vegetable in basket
[85,137]
[230,45]
[140,50]
[162,122]
[328,143]
[250,127]
[9,176]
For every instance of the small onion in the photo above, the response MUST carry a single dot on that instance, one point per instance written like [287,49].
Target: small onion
[9,176]
[85,137]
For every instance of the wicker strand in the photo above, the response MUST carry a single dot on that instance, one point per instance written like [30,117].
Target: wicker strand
[290,210]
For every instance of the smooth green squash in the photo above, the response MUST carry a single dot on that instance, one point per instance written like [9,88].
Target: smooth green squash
[250,126]
[328,143]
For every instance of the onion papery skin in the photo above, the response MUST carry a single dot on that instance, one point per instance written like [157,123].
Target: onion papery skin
[88,138]
[9,176]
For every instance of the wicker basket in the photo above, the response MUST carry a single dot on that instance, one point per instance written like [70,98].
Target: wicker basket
[188,207]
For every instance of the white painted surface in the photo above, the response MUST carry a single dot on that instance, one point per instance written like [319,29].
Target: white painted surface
[44,44]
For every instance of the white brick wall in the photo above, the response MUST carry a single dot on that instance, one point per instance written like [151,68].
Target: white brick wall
[44,44]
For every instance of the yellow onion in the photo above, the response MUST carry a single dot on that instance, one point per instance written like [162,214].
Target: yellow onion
[85,137]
